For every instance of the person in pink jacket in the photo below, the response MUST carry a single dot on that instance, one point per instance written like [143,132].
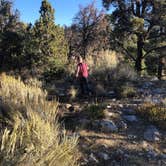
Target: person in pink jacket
[82,75]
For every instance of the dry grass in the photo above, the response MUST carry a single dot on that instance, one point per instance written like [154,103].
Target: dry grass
[154,113]
[73,92]
[105,60]
[32,135]
[107,66]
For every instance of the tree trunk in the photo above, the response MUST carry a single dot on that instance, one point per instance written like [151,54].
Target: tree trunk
[138,62]
[160,68]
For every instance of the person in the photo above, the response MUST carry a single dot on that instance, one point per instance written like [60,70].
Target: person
[82,75]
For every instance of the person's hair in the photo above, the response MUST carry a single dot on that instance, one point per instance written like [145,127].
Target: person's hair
[79,58]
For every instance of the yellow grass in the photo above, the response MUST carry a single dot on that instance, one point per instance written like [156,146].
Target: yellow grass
[32,135]
[104,60]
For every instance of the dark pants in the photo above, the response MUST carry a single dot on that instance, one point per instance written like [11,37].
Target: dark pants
[83,81]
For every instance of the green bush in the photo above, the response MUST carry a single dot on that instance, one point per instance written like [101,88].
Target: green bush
[54,73]
[95,111]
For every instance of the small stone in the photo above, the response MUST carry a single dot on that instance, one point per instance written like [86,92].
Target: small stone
[68,106]
[130,118]
[120,152]
[163,156]
[129,111]
[152,134]
[108,106]
[93,158]
[110,114]
[104,156]
[140,154]
[61,94]
[152,154]
[84,122]
[121,105]
[131,137]
[122,125]
[95,124]
[127,156]
[108,126]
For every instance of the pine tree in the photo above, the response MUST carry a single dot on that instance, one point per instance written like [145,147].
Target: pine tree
[11,35]
[51,44]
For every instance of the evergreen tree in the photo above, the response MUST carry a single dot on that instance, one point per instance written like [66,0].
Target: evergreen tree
[140,21]
[11,35]
[51,45]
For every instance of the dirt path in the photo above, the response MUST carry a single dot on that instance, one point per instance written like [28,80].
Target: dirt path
[119,139]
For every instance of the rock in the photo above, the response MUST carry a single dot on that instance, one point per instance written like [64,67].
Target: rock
[93,158]
[104,156]
[140,154]
[96,124]
[163,156]
[129,111]
[108,106]
[130,118]
[121,105]
[108,126]
[146,145]
[99,90]
[131,137]
[152,134]
[127,156]
[111,94]
[68,105]
[147,85]
[114,100]
[152,154]
[110,114]
[122,125]
[157,91]
[84,122]
[120,152]
[62,94]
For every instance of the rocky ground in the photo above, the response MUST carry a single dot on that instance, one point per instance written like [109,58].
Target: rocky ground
[122,137]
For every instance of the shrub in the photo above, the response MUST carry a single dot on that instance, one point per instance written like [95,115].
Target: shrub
[125,91]
[95,111]
[107,67]
[104,61]
[73,92]
[32,135]
[153,113]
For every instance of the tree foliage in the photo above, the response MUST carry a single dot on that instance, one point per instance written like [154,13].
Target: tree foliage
[88,33]
[49,38]
[140,21]
[11,35]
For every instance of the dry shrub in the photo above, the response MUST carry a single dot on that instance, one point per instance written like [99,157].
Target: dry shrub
[107,66]
[73,92]
[123,72]
[19,93]
[125,90]
[154,113]
[104,61]
[32,135]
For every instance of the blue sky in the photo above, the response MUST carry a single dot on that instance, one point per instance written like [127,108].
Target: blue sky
[65,10]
